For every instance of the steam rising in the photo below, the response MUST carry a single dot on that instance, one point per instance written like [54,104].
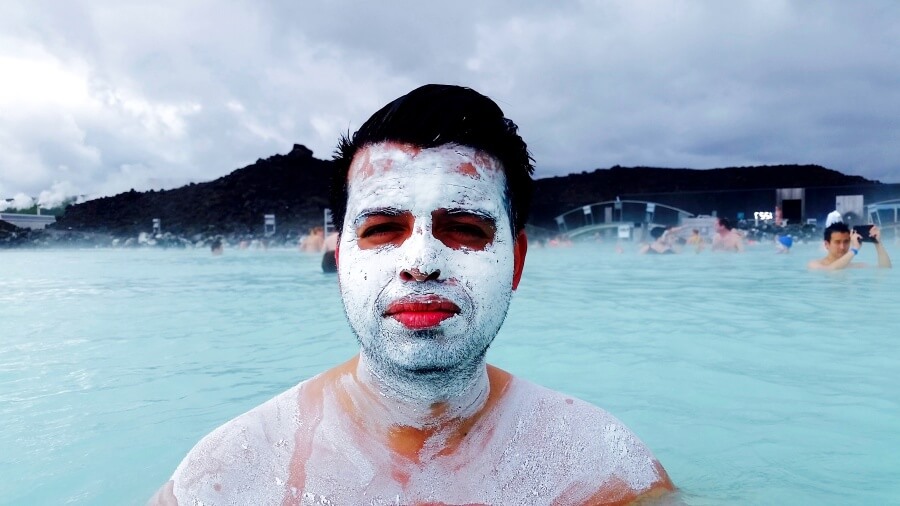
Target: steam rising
[60,194]
[19,202]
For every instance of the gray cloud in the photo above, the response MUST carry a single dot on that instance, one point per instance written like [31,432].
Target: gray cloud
[106,96]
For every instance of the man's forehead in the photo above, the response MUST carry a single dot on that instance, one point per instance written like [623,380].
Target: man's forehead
[390,157]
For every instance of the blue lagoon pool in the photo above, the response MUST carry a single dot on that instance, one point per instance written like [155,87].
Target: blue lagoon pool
[753,380]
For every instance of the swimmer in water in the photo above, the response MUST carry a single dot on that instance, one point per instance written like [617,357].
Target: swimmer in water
[314,242]
[843,244]
[783,243]
[216,247]
[431,200]
[726,238]
[663,242]
[696,240]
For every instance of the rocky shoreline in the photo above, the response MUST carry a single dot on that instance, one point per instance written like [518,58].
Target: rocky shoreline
[294,188]
[15,237]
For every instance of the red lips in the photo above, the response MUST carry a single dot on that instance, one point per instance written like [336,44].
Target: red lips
[421,312]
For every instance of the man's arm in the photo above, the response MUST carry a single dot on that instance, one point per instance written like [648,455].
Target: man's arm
[844,261]
[884,261]
[840,263]
[739,242]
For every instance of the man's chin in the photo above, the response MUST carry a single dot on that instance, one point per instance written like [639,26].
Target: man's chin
[427,355]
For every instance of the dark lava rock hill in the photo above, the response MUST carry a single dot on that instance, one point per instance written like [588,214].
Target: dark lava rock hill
[294,187]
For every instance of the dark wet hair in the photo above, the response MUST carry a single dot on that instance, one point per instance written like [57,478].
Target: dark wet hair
[434,115]
[657,232]
[726,223]
[840,227]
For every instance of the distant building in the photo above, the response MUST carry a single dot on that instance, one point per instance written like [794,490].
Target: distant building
[795,205]
[32,221]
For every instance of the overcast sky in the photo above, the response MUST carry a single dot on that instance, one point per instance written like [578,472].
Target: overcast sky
[97,97]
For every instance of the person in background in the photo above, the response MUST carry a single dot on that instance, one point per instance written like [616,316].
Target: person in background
[783,243]
[216,247]
[696,240]
[314,241]
[843,244]
[664,241]
[726,238]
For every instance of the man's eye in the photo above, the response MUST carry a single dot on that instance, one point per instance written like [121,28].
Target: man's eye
[380,229]
[468,230]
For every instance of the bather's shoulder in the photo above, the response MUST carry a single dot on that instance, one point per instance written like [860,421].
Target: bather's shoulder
[557,409]
[586,443]
[252,450]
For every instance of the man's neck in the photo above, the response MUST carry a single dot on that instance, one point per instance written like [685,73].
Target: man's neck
[425,399]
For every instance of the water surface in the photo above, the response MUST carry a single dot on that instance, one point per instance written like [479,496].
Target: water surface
[753,380]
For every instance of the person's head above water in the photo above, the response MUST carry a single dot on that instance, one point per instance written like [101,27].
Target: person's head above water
[438,115]
[723,224]
[836,227]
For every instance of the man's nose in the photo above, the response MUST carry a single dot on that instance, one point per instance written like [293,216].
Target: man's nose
[415,274]
[421,257]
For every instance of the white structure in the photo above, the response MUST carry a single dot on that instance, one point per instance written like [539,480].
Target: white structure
[32,221]
[885,214]
[269,224]
[604,218]
[853,205]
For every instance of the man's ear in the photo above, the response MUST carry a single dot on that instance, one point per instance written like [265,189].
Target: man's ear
[337,259]
[520,247]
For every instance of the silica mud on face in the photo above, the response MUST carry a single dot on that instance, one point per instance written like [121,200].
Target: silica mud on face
[403,179]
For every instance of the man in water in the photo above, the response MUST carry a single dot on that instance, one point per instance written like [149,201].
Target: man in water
[314,242]
[843,244]
[726,238]
[431,198]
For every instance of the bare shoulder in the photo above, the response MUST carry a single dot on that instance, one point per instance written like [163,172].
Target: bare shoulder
[252,450]
[600,457]
[165,496]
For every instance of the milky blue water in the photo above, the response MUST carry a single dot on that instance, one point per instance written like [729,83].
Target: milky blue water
[753,380]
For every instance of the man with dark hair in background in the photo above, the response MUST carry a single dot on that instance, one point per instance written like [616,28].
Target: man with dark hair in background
[843,244]
[431,197]
[726,238]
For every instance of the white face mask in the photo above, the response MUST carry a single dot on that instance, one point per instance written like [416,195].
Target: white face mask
[471,285]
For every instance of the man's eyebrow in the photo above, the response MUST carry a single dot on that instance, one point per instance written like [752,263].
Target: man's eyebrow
[376,211]
[484,215]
